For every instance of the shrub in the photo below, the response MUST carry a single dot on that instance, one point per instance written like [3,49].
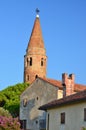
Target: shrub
[4,112]
[84,128]
[9,123]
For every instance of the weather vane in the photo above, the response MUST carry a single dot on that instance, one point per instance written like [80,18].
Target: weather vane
[37,11]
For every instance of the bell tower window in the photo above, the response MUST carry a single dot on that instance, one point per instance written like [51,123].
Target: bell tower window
[28,77]
[36,76]
[42,62]
[30,61]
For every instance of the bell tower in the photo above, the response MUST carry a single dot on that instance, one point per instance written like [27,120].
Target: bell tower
[35,58]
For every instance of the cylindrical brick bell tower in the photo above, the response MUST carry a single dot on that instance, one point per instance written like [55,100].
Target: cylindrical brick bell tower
[35,59]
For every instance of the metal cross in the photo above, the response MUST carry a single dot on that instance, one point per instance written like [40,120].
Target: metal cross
[37,11]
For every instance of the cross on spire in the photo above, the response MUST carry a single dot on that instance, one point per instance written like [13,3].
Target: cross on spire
[37,12]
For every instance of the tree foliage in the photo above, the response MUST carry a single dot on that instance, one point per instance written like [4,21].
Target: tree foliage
[10,98]
[4,112]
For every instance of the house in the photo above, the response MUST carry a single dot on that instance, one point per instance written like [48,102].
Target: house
[42,89]
[68,113]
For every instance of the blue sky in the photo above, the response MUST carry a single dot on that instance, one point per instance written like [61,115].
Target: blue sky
[63,24]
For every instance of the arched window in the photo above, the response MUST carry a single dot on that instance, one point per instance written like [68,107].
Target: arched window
[27,59]
[28,77]
[36,76]
[25,102]
[41,61]
[30,61]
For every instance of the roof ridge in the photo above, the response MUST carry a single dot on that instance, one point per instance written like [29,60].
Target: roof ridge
[54,82]
[58,83]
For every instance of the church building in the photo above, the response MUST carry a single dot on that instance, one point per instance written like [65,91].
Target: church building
[41,89]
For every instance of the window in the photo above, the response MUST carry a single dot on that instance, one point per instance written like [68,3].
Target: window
[37,98]
[41,61]
[36,76]
[84,114]
[25,102]
[63,118]
[42,124]
[48,122]
[23,124]
[30,61]
[28,77]
[36,122]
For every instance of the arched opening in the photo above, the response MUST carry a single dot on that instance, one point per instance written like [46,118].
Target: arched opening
[36,76]
[42,62]
[30,61]
[25,102]
[37,98]
[28,77]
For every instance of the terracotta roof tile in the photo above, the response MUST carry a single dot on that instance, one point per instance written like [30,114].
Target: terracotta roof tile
[79,87]
[57,83]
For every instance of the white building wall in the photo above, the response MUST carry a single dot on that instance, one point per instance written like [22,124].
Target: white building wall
[37,94]
[74,117]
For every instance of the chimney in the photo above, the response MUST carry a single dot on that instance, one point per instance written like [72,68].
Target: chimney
[68,84]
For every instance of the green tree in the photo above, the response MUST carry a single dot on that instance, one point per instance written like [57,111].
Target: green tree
[10,98]
[4,112]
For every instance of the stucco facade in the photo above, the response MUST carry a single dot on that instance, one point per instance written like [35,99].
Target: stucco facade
[74,117]
[68,113]
[38,93]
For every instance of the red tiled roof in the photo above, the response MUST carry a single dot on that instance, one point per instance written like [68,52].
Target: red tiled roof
[57,83]
[79,87]
[80,96]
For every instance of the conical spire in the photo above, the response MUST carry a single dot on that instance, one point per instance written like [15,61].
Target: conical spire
[36,39]
[35,60]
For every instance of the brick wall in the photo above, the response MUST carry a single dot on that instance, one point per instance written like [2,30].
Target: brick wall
[68,83]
